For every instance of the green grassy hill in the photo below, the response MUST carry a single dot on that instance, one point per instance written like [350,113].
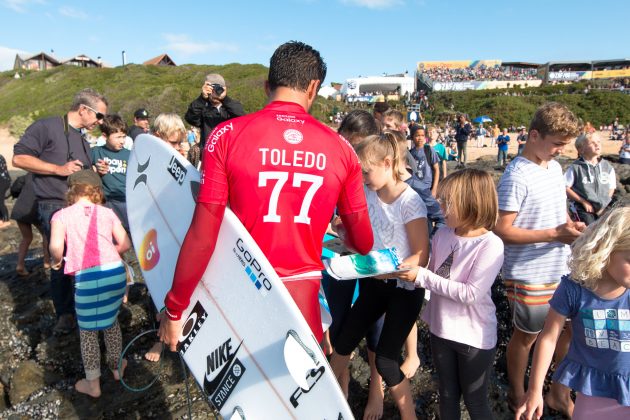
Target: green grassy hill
[159,89]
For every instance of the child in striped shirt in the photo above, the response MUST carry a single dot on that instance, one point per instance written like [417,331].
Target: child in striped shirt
[535,228]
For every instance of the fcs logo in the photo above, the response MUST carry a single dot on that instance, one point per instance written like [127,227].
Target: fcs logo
[293,136]
[149,251]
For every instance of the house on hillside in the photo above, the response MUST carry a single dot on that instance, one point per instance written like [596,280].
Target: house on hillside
[43,61]
[83,60]
[160,60]
[39,61]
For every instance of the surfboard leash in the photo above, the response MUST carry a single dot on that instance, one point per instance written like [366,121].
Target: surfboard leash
[159,370]
[122,357]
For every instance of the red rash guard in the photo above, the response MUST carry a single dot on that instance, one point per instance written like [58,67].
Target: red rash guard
[282,173]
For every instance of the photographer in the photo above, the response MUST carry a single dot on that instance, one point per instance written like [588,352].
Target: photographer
[212,107]
[463,129]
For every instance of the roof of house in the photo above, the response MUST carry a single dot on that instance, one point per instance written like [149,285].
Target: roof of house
[25,57]
[163,59]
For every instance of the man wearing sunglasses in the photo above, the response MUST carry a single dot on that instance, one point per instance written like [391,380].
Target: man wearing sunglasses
[52,149]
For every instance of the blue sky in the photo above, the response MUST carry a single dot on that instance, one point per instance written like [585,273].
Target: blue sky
[355,37]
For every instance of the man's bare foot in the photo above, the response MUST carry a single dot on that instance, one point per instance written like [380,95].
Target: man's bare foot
[410,365]
[562,405]
[154,353]
[4,224]
[117,376]
[374,407]
[89,387]
[21,271]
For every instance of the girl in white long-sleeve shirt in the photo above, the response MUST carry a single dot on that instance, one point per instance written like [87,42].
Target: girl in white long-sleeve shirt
[466,259]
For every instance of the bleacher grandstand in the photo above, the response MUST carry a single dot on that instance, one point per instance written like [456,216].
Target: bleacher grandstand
[494,74]
[476,75]
[570,71]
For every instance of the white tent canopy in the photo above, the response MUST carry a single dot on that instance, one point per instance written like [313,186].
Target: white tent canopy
[360,85]
[327,91]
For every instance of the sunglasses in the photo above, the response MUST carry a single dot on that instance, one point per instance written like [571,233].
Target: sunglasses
[99,116]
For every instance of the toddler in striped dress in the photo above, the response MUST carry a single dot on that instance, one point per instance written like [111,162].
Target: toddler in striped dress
[94,239]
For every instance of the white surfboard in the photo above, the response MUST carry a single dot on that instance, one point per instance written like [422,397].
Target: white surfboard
[244,339]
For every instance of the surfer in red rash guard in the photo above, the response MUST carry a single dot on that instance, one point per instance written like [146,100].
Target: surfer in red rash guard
[282,172]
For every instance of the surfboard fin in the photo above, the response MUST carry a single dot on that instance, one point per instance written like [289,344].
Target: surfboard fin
[300,360]
[237,414]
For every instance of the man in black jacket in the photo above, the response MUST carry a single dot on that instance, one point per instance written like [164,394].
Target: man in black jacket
[463,130]
[212,107]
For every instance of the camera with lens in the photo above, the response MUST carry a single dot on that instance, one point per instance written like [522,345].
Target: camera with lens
[217,89]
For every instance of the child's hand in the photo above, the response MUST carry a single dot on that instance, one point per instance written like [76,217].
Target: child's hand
[337,226]
[588,207]
[410,273]
[55,264]
[568,232]
[102,167]
[531,408]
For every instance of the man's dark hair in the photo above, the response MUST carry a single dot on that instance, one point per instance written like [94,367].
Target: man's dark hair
[294,64]
[113,124]
[358,123]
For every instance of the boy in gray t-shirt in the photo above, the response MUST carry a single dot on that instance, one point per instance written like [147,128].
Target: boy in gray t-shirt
[535,228]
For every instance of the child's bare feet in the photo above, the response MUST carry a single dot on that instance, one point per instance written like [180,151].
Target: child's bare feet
[117,376]
[514,401]
[154,353]
[374,407]
[344,382]
[410,366]
[560,401]
[89,387]
[21,271]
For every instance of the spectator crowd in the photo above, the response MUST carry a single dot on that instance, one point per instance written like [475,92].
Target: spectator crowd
[483,72]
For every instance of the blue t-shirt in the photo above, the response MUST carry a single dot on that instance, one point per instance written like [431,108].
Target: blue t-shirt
[598,361]
[114,180]
[502,142]
[434,212]
[422,171]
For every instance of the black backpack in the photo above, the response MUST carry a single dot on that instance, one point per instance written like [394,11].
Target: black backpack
[428,154]
[16,186]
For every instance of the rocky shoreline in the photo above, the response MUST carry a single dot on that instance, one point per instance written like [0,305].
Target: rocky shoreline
[38,370]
